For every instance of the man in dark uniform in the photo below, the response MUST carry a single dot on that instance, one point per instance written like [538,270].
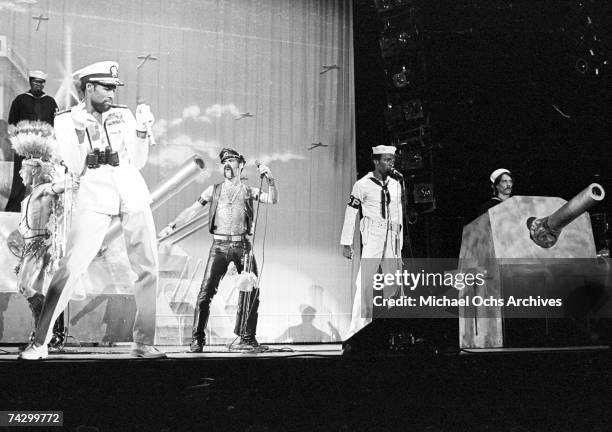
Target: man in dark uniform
[501,183]
[31,105]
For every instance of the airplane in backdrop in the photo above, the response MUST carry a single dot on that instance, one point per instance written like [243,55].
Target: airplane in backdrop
[327,68]
[315,145]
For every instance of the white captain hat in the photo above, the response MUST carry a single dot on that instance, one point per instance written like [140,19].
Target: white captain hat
[104,72]
[383,149]
[495,174]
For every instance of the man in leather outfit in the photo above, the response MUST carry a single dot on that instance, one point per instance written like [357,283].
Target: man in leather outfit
[230,222]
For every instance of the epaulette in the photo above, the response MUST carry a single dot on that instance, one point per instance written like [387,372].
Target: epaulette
[62,112]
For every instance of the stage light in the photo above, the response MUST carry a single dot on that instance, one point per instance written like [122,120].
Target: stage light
[403,44]
[388,5]
[402,78]
[412,109]
[403,114]
[582,66]
[423,193]
[414,160]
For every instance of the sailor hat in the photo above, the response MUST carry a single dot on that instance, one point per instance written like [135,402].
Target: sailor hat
[38,74]
[495,174]
[383,149]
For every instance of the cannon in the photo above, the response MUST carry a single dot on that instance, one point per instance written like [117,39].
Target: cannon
[191,169]
[517,230]
[545,231]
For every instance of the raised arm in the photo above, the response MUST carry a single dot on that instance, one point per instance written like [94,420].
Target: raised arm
[136,140]
[188,213]
[270,197]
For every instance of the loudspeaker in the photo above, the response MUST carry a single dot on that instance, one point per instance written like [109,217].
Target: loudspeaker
[405,336]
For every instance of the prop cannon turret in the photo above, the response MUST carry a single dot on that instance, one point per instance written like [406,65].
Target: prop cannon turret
[501,234]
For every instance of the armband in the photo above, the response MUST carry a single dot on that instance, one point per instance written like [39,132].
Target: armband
[354,202]
[202,201]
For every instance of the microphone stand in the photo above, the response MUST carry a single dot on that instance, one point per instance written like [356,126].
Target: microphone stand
[248,306]
[405,221]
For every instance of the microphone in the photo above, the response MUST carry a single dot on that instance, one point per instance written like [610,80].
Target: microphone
[63,164]
[396,173]
[257,164]
[148,128]
[151,136]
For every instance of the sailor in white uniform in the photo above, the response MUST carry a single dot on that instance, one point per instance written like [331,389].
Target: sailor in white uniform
[378,198]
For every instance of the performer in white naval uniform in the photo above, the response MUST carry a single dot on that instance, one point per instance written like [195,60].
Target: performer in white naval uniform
[107,146]
[378,197]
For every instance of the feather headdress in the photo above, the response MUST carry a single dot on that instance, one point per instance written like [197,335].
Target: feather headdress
[34,140]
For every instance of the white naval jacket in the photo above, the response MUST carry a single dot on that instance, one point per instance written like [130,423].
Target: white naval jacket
[366,196]
[107,189]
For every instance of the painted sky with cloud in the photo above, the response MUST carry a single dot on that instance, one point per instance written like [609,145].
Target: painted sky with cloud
[16,6]
[175,145]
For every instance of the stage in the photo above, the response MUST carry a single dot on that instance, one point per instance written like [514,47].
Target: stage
[121,351]
[316,387]
[307,89]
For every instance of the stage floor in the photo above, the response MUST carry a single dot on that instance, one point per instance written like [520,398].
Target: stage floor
[315,387]
[122,352]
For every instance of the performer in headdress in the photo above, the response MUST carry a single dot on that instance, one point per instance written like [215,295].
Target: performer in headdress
[35,143]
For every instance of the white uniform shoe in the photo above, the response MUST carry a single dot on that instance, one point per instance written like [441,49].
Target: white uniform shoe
[146,351]
[34,352]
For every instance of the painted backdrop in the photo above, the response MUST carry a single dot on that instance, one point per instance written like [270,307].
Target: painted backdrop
[247,74]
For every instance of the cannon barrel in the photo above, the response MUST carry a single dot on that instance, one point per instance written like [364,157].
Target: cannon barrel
[202,218]
[545,231]
[576,206]
[185,175]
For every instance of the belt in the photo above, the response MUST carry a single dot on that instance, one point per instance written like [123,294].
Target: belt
[234,238]
[382,224]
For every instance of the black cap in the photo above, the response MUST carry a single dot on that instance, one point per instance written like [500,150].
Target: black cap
[227,153]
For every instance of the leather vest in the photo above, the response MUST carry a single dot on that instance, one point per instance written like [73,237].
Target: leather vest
[214,204]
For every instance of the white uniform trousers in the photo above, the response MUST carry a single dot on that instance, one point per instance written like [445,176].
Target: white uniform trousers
[84,241]
[373,260]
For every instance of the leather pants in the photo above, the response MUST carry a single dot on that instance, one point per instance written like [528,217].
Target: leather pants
[222,252]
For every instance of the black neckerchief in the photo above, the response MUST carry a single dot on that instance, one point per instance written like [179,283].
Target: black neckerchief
[385,196]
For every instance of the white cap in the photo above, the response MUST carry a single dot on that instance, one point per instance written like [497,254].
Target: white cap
[383,149]
[104,72]
[38,74]
[495,174]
